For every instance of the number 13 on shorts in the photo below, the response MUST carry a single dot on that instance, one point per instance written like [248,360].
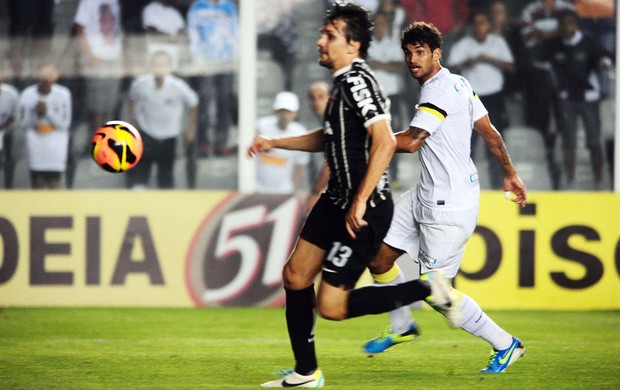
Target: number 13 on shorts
[339,254]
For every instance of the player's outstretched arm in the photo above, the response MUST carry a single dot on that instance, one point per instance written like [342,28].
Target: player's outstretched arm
[259,145]
[495,143]
[410,140]
[309,142]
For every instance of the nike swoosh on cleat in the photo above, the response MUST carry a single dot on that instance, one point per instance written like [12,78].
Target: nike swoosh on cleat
[504,359]
[286,384]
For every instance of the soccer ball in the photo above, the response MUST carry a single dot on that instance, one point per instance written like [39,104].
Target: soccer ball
[117,146]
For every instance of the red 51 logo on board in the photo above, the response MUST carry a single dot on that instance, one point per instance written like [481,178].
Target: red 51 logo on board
[237,254]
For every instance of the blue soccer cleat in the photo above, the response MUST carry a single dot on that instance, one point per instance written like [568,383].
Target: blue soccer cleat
[388,339]
[500,360]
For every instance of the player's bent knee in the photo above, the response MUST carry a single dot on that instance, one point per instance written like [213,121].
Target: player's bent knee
[332,312]
[332,302]
[296,280]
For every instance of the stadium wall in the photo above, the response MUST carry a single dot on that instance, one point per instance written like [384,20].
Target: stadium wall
[195,248]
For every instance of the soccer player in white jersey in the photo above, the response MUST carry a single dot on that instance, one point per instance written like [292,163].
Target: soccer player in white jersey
[434,220]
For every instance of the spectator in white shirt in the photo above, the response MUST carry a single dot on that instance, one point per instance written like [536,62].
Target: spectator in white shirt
[9,104]
[46,115]
[100,35]
[280,171]
[159,102]
[165,29]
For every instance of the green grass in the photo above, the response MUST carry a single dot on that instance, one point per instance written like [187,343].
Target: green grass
[224,348]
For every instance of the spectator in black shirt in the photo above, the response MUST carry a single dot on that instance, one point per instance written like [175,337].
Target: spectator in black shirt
[574,59]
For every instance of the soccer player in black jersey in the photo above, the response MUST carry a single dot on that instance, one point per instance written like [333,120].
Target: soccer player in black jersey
[346,226]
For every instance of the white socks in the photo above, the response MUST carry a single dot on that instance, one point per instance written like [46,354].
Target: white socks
[473,319]
[476,322]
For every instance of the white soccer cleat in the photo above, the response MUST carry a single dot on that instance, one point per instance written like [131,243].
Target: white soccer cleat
[315,380]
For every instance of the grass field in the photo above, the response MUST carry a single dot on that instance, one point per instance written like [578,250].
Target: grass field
[228,348]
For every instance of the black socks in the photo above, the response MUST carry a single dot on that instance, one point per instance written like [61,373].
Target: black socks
[382,299]
[301,313]
[300,321]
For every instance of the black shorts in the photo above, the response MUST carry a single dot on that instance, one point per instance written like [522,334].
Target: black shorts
[346,258]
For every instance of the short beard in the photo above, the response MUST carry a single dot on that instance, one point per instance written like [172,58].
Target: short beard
[326,64]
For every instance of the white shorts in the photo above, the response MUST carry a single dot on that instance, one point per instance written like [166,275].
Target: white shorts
[434,238]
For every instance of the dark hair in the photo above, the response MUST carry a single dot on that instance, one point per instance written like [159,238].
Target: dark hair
[359,24]
[421,32]
[567,13]
[477,12]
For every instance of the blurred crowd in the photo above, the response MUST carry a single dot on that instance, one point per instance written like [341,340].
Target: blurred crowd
[170,67]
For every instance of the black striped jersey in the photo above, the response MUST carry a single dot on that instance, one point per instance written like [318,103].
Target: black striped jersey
[356,101]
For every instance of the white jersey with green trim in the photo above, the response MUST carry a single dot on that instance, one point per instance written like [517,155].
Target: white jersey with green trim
[447,109]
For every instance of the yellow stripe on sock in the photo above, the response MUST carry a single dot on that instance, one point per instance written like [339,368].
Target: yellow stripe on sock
[387,277]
